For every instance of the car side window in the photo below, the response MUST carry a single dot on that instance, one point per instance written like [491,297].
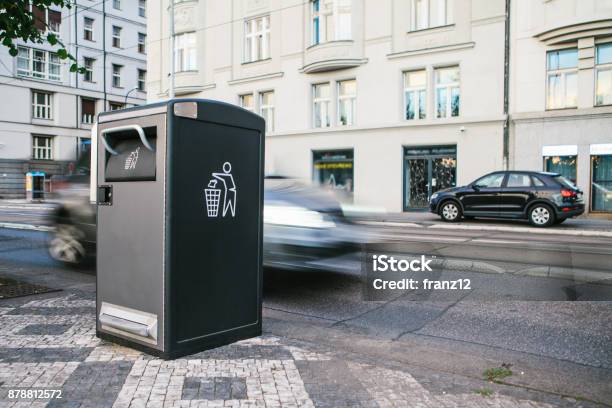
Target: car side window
[492,180]
[518,180]
[537,182]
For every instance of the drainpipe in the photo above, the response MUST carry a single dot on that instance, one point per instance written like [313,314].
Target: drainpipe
[104,52]
[507,88]
[172,39]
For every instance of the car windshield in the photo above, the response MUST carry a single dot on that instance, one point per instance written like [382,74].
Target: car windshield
[564,182]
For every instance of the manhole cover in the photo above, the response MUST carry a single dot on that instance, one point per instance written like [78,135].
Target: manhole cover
[11,288]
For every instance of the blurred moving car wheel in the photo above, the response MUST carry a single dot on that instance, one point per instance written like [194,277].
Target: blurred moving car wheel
[450,212]
[66,247]
[541,215]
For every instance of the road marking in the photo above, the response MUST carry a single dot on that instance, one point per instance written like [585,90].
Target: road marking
[426,238]
[29,227]
[392,224]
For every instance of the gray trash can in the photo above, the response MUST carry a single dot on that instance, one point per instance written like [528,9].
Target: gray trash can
[179,240]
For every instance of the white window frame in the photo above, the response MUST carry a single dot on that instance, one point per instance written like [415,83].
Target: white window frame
[185,48]
[321,100]
[605,67]
[142,8]
[563,73]
[325,16]
[117,4]
[346,97]
[142,79]
[42,151]
[118,105]
[142,43]
[88,69]
[416,90]
[242,99]
[116,32]
[42,110]
[116,75]
[49,59]
[442,20]
[257,42]
[87,29]
[449,93]
[48,28]
[266,111]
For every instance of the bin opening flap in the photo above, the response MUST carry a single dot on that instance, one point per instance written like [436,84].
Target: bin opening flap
[134,161]
[128,321]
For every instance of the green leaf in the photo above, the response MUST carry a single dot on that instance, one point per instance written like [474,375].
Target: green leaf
[51,38]
[74,68]
[62,53]
[13,52]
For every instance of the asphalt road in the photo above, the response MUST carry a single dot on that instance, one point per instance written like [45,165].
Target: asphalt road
[559,347]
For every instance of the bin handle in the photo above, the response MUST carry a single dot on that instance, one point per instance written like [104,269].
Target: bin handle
[137,128]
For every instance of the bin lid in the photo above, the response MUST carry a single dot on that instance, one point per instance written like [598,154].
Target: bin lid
[36,174]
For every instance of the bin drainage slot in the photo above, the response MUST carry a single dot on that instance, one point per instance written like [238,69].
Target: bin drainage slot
[128,321]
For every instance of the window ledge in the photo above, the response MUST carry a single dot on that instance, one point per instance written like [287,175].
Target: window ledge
[334,42]
[428,30]
[257,62]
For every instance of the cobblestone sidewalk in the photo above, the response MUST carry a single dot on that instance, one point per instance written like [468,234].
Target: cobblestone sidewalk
[50,343]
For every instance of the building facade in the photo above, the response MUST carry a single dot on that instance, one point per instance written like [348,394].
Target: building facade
[47,111]
[388,101]
[561,92]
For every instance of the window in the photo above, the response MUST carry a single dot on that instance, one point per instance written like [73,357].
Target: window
[42,148]
[116,37]
[185,52]
[117,4]
[518,180]
[320,102]
[564,165]
[115,106]
[490,181]
[257,39]
[604,75]
[430,13]
[88,65]
[331,20]
[88,110]
[415,95]
[562,82]
[601,181]
[47,20]
[142,80]
[333,169]
[142,8]
[88,28]
[247,102]
[447,92]
[117,75]
[41,105]
[38,64]
[142,43]
[347,99]
[266,109]
[537,182]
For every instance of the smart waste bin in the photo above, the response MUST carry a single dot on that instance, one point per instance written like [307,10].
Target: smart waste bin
[179,239]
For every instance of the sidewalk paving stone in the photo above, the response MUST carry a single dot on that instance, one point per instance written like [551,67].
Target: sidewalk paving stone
[50,343]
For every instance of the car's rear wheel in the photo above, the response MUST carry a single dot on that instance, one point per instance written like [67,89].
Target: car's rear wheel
[66,246]
[541,215]
[450,211]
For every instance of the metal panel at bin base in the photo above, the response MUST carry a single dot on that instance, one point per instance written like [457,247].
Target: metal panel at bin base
[128,322]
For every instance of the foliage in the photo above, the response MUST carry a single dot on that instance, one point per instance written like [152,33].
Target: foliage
[17,21]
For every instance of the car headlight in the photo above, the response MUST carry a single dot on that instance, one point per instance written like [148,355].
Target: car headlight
[293,216]
[434,196]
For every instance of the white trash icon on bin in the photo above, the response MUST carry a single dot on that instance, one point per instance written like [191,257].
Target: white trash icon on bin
[221,192]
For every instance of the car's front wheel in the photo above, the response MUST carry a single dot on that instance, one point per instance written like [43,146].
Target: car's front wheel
[450,211]
[66,245]
[541,215]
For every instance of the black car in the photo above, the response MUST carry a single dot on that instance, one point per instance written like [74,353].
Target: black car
[542,198]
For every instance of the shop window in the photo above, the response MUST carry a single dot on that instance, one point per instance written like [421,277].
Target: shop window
[334,170]
[564,165]
[601,178]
